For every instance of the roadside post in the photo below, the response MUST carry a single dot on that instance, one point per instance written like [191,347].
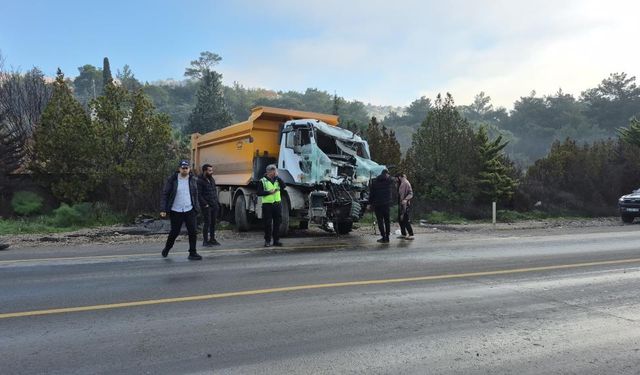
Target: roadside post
[493,212]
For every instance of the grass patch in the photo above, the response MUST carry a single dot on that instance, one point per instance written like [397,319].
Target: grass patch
[506,216]
[439,217]
[63,219]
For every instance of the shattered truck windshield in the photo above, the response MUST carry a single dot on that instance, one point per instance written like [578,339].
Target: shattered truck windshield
[340,154]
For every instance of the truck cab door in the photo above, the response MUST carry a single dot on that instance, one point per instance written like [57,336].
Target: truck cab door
[295,148]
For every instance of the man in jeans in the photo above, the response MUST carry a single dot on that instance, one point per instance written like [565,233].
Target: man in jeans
[180,201]
[269,190]
[208,196]
[380,191]
[405,194]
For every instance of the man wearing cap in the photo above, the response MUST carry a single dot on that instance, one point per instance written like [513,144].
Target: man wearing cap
[269,190]
[180,201]
[380,191]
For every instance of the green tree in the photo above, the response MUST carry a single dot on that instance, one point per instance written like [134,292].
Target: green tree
[88,84]
[176,99]
[442,161]
[373,136]
[211,111]
[65,146]
[583,179]
[631,135]
[537,122]
[204,64]
[495,183]
[107,78]
[128,79]
[391,155]
[614,102]
[136,148]
[336,104]
[417,112]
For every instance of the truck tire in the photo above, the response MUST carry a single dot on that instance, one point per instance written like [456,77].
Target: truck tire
[343,227]
[304,224]
[284,226]
[240,214]
[627,218]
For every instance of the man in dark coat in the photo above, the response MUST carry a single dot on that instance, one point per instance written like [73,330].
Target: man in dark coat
[208,196]
[180,201]
[380,191]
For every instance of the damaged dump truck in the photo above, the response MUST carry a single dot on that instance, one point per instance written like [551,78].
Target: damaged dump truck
[326,168]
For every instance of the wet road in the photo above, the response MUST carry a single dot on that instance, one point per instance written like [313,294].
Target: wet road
[468,304]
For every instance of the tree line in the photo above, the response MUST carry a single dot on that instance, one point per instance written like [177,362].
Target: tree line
[124,136]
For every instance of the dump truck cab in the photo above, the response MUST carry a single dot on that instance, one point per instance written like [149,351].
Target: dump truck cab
[313,152]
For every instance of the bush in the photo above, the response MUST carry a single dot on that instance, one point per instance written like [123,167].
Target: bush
[26,203]
[581,179]
[67,216]
[84,214]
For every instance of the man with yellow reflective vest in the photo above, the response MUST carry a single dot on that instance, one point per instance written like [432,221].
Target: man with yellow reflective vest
[269,191]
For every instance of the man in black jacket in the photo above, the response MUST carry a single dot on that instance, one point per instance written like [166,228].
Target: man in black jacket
[269,190]
[180,201]
[208,196]
[380,191]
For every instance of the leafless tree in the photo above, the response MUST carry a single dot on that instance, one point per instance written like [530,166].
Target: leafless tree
[23,98]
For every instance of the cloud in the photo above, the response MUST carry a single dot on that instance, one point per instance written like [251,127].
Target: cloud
[393,52]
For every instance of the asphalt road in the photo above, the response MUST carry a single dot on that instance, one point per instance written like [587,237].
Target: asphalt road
[541,303]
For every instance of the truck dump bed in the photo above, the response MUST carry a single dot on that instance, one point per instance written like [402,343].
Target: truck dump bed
[232,150]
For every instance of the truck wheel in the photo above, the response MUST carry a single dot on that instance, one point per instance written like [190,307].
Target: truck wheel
[284,226]
[627,218]
[242,221]
[343,227]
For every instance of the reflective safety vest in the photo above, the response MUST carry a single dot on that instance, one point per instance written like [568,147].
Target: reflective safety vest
[268,186]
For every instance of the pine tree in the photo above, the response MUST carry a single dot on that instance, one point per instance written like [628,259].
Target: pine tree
[391,155]
[106,73]
[128,79]
[134,149]
[374,138]
[64,151]
[442,161]
[211,111]
[494,180]
[631,135]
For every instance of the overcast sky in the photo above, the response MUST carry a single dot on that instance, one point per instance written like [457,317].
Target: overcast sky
[383,52]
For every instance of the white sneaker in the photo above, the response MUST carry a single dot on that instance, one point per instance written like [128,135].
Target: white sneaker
[410,238]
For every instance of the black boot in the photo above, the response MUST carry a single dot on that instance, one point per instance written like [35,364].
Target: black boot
[194,256]
[206,244]
[165,252]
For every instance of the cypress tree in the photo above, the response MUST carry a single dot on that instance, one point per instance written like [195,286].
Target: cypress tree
[106,72]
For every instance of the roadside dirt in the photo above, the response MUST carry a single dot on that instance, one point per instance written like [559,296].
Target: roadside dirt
[157,232]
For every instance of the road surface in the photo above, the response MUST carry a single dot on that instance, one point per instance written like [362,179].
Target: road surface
[483,303]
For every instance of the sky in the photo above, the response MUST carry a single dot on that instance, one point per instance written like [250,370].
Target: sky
[379,52]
